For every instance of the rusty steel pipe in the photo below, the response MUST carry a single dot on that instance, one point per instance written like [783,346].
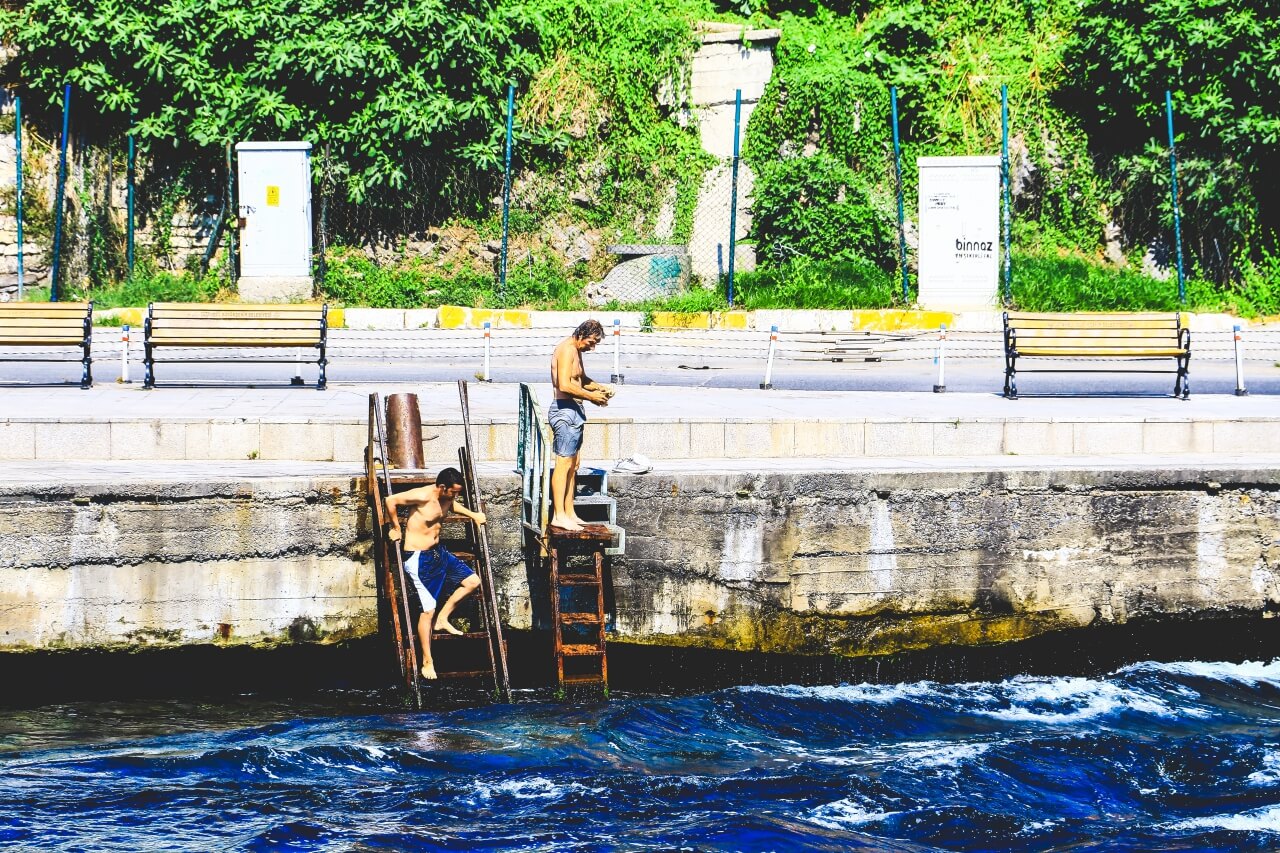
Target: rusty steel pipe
[404,432]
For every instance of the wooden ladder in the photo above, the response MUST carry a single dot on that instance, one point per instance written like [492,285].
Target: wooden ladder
[477,653]
[577,605]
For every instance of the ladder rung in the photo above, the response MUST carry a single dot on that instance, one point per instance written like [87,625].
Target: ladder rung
[583,679]
[581,619]
[470,635]
[578,580]
[465,673]
[580,650]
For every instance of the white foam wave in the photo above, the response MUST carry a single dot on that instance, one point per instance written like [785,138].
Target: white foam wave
[846,813]
[1259,820]
[1251,673]
[533,788]
[1071,700]
[1270,772]
[880,694]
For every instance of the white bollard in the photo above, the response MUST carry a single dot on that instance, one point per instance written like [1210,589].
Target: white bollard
[485,377]
[124,353]
[1240,389]
[617,378]
[941,360]
[768,365]
[297,367]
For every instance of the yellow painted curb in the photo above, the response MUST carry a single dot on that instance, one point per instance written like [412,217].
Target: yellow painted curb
[682,320]
[896,319]
[734,320]
[337,318]
[459,317]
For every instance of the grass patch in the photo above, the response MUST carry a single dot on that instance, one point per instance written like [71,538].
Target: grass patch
[157,286]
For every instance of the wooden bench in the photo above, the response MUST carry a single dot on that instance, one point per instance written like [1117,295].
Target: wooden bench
[1096,337]
[193,326]
[51,325]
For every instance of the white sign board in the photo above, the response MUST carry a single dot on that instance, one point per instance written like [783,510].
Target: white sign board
[275,206]
[959,232]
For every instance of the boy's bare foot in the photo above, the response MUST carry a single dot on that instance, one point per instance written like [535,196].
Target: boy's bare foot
[566,523]
[443,625]
[429,671]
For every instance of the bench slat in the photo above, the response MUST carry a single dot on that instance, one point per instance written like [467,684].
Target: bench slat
[235,323]
[1091,324]
[158,335]
[1101,352]
[1095,315]
[42,341]
[43,322]
[239,342]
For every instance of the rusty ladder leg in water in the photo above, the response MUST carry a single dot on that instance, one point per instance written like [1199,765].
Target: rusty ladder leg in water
[587,661]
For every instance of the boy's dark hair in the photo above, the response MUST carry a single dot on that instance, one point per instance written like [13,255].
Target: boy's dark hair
[587,329]
[449,477]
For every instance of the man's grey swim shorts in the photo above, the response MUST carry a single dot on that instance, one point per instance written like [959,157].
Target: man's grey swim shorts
[567,420]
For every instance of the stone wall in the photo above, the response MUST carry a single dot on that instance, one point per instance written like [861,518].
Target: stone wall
[848,564]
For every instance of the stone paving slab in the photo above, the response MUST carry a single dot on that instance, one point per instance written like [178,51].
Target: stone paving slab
[662,422]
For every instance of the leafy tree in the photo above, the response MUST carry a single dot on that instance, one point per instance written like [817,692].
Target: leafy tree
[374,79]
[1221,60]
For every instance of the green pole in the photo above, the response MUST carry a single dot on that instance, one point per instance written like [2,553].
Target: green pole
[17,130]
[234,212]
[506,189]
[130,179]
[60,198]
[1173,190]
[733,192]
[897,170]
[1004,186]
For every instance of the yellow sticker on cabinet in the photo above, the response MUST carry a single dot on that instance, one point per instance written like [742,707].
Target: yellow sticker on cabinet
[273,196]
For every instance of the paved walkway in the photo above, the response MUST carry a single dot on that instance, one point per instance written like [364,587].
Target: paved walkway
[498,403]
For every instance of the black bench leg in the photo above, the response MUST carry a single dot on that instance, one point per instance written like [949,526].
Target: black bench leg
[1182,385]
[148,362]
[1010,379]
[323,363]
[86,378]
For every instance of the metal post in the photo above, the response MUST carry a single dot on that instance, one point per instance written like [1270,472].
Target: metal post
[233,232]
[768,365]
[941,360]
[506,200]
[733,194]
[1173,190]
[1004,186]
[60,197]
[124,353]
[17,140]
[617,377]
[1241,391]
[297,367]
[485,377]
[130,176]
[897,170]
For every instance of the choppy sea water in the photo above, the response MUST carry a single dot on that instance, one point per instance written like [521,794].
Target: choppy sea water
[1171,756]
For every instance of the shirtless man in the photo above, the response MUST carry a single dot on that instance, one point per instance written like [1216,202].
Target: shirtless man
[567,418]
[426,561]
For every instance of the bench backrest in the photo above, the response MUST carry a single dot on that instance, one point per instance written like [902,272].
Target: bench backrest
[1100,334]
[194,324]
[45,323]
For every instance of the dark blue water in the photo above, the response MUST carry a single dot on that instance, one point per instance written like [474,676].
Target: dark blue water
[1152,757]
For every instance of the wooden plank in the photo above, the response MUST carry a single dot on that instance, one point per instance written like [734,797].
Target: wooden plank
[1091,324]
[1082,352]
[186,321]
[41,341]
[311,335]
[231,307]
[225,342]
[1093,315]
[70,322]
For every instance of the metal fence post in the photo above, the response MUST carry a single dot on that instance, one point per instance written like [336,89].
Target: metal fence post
[897,170]
[234,232]
[1173,190]
[733,193]
[941,360]
[130,174]
[60,196]
[17,139]
[617,377]
[1004,185]
[1241,391]
[506,196]
[768,365]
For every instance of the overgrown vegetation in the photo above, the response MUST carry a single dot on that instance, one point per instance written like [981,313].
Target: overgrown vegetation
[406,107]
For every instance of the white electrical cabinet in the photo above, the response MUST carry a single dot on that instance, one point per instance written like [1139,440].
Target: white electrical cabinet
[959,232]
[275,209]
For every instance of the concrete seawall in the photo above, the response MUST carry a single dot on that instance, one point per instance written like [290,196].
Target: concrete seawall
[840,558]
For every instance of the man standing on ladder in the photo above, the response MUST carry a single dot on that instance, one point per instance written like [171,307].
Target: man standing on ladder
[426,561]
[567,418]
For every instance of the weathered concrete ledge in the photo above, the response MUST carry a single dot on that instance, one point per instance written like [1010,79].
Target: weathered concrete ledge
[848,562]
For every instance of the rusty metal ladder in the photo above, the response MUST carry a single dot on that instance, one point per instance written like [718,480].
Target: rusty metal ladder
[577,561]
[456,656]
